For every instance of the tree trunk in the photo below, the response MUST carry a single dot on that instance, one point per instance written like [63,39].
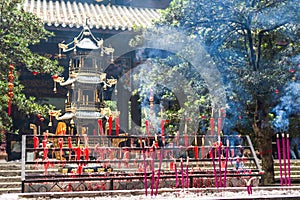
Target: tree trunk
[264,136]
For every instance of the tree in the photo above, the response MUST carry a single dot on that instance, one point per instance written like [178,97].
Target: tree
[18,31]
[251,42]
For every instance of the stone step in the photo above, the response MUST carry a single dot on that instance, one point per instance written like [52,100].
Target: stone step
[10,172]
[294,162]
[10,166]
[292,168]
[11,184]
[293,173]
[10,190]
[10,178]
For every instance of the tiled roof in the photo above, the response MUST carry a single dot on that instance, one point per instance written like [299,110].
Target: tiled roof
[74,14]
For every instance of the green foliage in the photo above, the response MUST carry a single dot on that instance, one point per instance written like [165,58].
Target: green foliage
[251,42]
[18,31]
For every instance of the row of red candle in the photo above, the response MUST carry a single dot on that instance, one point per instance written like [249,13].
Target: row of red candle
[110,126]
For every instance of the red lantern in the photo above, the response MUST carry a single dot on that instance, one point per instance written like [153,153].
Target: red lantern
[276,91]
[10,94]
[35,73]
[292,71]
[55,76]
[10,86]
[11,67]
[11,76]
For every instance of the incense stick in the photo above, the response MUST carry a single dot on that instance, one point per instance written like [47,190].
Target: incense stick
[153,173]
[279,158]
[284,158]
[145,170]
[226,161]
[159,169]
[214,165]
[288,159]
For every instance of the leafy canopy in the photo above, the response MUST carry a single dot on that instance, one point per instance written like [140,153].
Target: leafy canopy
[18,31]
[252,42]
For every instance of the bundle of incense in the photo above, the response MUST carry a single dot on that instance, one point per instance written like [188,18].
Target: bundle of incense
[226,161]
[187,172]
[176,174]
[145,171]
[153,170]
[279,158]
[159,169]
[214,166]
[220,164]
[284,159]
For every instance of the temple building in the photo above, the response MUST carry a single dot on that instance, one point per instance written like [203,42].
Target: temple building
[100,20]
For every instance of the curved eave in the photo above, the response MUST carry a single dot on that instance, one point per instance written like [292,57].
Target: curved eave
[62,13]
[68,82]
[88,79]
[66,116]
[88,115]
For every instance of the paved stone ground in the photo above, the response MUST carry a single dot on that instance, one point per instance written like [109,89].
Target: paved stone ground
[265,193]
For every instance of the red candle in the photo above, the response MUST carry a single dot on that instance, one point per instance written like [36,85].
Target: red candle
[117,120]
[162,125]
[79,169]
[196,152]
[110,125]
[60,143]
[86,153]
[70,147]
[171,166]
[100,126]
[202,147]
[186,140]
[44,143]
[147,127]
[78,153]
[212,126]
[219,127]
[35,142]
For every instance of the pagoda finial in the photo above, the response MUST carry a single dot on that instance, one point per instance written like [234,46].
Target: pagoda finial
[87,21]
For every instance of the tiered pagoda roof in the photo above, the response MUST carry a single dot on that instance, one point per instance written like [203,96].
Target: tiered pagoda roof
[74,14]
